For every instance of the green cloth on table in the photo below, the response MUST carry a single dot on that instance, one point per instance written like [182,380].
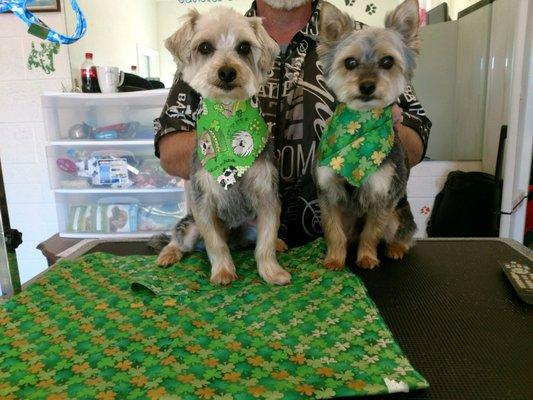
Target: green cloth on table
[81,332]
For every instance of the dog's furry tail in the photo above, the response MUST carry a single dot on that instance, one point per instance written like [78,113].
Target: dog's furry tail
[185,234]
[183,240]
[407,225]
[158,242]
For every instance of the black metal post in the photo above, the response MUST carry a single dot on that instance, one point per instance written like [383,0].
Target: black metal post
[10,239]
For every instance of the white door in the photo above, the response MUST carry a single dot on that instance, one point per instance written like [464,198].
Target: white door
[504,87]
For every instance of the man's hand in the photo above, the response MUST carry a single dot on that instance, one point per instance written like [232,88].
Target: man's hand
[411,141]
[175,153]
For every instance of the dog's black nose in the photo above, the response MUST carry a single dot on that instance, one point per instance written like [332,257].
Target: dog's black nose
[367,88]
[227,74]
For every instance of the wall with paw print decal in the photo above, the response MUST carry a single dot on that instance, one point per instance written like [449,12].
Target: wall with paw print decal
[371,12]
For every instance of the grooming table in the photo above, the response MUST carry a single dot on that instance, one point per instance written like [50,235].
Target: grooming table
[451,309]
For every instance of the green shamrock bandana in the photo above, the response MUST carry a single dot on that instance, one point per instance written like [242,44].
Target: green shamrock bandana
[355,143]
[230,137]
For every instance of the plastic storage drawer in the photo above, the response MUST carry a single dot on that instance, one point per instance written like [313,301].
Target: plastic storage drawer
[118,116]
[100,215]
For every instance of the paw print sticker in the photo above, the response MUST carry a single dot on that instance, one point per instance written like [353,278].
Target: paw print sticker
[349,2]
[371,9]
[425,210]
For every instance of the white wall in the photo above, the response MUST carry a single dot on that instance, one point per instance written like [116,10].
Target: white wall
[358,10]
[114,28]
[22,150]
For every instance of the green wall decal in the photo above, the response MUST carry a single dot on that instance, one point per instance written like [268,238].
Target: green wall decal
[43,58]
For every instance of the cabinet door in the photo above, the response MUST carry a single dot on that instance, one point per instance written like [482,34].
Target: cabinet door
[470,83]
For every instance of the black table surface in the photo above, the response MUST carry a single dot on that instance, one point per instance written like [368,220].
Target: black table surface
[455,315]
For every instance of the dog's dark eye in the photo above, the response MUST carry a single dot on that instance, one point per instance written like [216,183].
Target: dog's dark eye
[205,48]
[386,62]
[243,48]
[351,63]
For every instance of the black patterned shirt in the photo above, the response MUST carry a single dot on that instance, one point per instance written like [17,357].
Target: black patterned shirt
[296,105]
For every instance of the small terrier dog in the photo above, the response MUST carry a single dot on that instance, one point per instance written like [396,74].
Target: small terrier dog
[225,57]
[367,70]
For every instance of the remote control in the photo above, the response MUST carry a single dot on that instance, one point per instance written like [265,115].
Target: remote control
[521,278]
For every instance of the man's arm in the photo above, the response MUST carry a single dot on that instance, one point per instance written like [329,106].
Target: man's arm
[175,153]
[410,139]
[414,127]
[175,137]
[412,144]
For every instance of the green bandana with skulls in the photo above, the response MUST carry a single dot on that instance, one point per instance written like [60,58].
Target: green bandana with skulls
[355,143]
[230,137]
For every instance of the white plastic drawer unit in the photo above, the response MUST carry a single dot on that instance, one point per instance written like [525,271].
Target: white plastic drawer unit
[106,179]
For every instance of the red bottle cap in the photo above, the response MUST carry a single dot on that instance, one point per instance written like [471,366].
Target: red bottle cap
[89,56]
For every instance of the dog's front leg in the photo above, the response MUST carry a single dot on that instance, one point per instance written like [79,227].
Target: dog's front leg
[374,229]
[330,194]
[334,234]
[211,229]
[267,236]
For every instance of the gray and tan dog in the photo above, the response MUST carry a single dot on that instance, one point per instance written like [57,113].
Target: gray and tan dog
[368,69]
[225,56]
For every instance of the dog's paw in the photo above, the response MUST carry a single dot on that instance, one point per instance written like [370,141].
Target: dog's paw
[281,246]
[332,264]
[223,277]
[395,251]
[275,275]
[281,277]
[367,262]
[168,256]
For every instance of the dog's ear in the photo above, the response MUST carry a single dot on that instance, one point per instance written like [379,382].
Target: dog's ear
[404,20]
[179,44]
[334,24]
[269,47]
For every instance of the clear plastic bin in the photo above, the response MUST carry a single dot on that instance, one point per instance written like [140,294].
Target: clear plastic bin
[93,167]
[101,215]
[102,117]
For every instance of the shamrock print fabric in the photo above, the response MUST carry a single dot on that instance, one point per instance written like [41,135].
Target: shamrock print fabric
[230,137]
[80,332]
[355,143]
